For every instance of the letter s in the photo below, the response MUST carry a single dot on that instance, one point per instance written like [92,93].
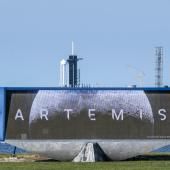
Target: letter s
[162,114]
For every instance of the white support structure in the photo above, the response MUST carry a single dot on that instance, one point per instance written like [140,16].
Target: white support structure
[63,73]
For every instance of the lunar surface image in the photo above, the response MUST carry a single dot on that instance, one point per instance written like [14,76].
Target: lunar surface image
[88,114]
[91,114]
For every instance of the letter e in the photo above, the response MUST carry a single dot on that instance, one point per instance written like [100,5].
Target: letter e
[91,115]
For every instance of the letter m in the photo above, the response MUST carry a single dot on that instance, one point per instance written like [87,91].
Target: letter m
[115,116]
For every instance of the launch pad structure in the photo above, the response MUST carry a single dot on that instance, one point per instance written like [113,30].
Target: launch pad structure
[69,72]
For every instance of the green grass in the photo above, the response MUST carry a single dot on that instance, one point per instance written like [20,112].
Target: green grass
[124,165]
[154,161]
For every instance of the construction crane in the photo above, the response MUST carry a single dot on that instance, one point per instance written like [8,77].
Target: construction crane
[139,75]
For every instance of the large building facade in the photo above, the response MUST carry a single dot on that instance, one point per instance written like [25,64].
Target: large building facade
[58,122]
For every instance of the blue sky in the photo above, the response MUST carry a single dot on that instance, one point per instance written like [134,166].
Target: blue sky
[110,35]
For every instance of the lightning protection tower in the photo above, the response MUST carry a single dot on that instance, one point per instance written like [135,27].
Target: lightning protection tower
[159,67]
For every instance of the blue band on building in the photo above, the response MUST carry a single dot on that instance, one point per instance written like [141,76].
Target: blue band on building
[2,114]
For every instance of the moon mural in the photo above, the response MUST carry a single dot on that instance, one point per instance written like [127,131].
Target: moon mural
[129,106]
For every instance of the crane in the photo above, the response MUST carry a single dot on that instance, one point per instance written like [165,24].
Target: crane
[139,75]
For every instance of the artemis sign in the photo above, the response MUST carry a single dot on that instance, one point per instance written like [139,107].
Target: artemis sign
[91,114]
[88,114]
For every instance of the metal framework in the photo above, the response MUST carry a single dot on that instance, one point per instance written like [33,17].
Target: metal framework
[74,73]
[159,67]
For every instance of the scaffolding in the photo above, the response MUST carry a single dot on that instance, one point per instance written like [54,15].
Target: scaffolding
[159,67]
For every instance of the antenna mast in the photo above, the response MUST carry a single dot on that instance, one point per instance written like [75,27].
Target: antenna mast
[72,50]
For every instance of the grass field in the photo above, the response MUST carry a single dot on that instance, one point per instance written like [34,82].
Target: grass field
[152,161]
[124,165]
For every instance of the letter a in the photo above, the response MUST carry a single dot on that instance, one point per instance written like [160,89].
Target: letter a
[19,115]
